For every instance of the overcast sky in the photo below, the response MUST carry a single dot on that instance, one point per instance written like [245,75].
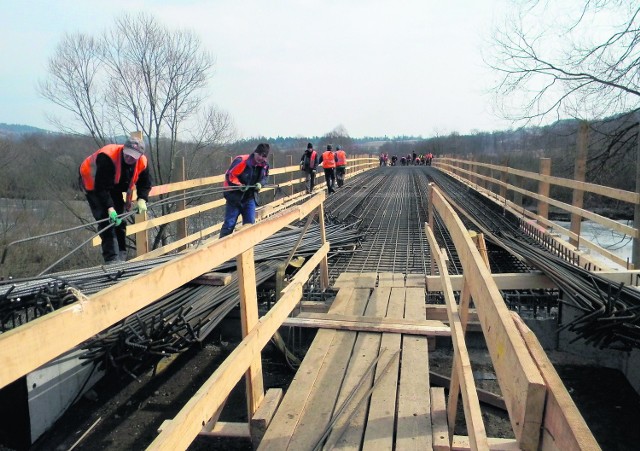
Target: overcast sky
[292,68]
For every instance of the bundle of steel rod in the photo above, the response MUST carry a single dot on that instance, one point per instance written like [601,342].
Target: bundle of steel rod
[609,313]
[170,325]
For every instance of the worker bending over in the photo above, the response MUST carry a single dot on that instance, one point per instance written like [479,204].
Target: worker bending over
[242,182]
[104,176]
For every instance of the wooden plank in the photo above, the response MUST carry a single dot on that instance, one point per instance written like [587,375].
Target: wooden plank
[506,281]
[382,408]
[415,281]
[314,307]
[365,324]
[226,429]
[285,421]
[439,420]
[563,425]
[27,347]
[356,280]
[365,351]
[390,279]
[217,279]
[264,414]
[316,414]
[413,431]
[462,443]
[439,312]
[520,381]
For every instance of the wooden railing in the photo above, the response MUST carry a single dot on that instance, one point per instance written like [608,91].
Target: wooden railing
[27,347]
[541,411]
[143,224]
[469,172]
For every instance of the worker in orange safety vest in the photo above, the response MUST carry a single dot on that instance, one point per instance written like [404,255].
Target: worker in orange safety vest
[328,160]
[106,174]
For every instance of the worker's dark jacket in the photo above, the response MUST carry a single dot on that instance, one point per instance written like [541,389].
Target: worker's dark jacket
[309,161]
[244,171]
[106,176]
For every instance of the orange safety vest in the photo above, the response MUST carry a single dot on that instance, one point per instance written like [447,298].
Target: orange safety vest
[341,158]
[88,167]
[328,159]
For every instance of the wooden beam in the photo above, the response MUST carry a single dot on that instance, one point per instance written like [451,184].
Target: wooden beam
[483,395]
[413,429]
[505,281]
[264,414]
[462,443]
[439,426]
[27,347]
[226,429]
[367,324]
[217,279]
[187,423]
[249,319]
[461,362]
[563,425]
[520,380]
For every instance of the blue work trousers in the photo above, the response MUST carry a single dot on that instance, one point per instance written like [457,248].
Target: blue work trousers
[246,208]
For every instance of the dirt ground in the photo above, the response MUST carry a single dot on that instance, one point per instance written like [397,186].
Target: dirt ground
[125,414]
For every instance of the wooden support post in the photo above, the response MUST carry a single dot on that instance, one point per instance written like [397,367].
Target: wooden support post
[504,178]
[544,187]
[579,175]
[181,205]
[324,264]
[262,418]
[517,195]
[439,420]
[249,318]
[635,254]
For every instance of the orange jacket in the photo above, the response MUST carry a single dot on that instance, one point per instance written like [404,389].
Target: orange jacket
[328,159]
[341,158]
[114,151]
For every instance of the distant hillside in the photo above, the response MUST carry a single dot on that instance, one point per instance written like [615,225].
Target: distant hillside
[8,130]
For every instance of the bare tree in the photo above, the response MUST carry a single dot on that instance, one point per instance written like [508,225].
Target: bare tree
[138,75]
[577,59]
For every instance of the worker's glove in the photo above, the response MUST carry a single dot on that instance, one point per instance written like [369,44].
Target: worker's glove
[142,206]
[243,188]
[113,218]
[258,186]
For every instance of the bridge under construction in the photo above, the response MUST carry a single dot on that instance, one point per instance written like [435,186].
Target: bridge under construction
[399,262]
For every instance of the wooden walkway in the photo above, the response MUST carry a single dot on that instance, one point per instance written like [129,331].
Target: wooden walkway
[366,390]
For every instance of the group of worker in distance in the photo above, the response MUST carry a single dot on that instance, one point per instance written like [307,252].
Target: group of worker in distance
[411,159]
[334,165]
[118,169]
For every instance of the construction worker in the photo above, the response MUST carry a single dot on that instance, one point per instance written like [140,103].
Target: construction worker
[106,174]
[242,182]
[309,165]
[341,165]
[328,160]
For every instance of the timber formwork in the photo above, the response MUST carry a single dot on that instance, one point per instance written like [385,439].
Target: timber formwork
[365,390]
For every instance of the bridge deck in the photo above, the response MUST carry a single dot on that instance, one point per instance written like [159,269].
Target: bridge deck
[361,389]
